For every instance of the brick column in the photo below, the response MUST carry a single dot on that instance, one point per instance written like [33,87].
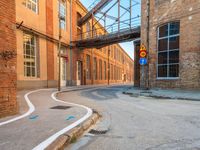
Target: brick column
[8,77]
[50,45]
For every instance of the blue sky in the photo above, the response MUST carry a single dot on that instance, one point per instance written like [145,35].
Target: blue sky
[128,46]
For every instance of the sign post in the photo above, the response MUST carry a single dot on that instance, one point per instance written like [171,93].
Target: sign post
[143,62]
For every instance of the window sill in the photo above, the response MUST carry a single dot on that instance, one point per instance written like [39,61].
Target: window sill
[175,78]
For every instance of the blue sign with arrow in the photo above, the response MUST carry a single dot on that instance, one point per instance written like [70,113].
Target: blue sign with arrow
[143,61]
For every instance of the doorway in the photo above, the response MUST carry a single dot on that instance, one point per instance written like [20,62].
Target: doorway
[79,73]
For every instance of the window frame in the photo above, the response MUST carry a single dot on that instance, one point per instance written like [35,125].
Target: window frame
[35,67]
[25,3]
[60,22]
[168,52]
[88,67]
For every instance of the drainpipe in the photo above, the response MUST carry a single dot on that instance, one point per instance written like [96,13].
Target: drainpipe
[59,52]
[71,59]
[148,43]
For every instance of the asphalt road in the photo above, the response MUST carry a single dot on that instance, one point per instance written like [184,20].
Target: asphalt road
[138,123]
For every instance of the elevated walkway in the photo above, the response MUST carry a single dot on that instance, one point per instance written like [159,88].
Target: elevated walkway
[110,38]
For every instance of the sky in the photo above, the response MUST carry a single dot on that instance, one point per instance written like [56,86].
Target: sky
[128,46]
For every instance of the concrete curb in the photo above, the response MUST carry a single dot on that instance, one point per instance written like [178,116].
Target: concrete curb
[62,141]
[159,96]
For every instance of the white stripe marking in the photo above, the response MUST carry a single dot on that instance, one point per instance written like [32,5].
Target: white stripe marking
[30,105]
[48,141]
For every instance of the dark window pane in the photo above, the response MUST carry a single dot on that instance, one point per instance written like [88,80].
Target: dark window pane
[174,43]
[163,31]
[174,28]
[162,45]
[33,72]
[28,71]
[174,70]
[162,71]
[162,58]
[174,57]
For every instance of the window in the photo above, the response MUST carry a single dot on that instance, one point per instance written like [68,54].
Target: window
[88,30]
[29,42]
[100,69]
[79,16]
[95,68]
[31,4]
[62,15]
[168,50]
[88,67]
[111,77]
[105,71]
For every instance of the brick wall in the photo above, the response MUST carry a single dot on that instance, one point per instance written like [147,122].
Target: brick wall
[187,12]
[50,45]
[8,103]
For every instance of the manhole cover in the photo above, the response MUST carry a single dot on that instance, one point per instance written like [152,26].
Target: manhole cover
[61,107]
[96,132]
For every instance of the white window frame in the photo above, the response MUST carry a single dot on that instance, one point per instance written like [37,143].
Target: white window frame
[32,2]
[33,57]
[167,37]
[62,11]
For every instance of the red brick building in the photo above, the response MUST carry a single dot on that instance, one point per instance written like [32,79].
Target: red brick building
[174,43]
[8,104]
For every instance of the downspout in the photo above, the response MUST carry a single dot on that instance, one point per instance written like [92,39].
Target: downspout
[71,59]
[148,37]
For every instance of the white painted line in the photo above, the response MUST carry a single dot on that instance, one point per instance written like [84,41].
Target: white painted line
[31,109]
[30,105]
[52,138]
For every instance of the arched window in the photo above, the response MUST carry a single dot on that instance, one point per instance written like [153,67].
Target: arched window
[168,50]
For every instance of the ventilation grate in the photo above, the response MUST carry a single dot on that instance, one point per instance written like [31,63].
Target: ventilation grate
[96,132]
[61,107]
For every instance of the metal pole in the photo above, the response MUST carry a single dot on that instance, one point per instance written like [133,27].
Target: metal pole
[109,65]
[104,25]
[92,25]
[71,60]
[118,15]
[130,13]
[148,36]
[59,52]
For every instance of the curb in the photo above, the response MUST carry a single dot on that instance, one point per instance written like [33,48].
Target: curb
[159,96]
[62,141]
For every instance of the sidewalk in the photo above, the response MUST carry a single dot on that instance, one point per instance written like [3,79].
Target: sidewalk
[168,93]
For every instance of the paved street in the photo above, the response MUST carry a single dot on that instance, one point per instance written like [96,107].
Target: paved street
[45,121]
[138,123]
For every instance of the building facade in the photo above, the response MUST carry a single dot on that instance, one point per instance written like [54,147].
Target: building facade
[38,46]
[8,103]
[174,43]
[105,65]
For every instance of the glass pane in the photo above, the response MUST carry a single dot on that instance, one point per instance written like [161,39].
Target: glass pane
[174,57]
[174,43]
[32,51]
[29,4]
[162,58]
[162,71]
[28,71]
[163,44]
[174,28]
[163,31]
[174,70]
[34,7]
[33,72]
[28,64]
[28,50]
